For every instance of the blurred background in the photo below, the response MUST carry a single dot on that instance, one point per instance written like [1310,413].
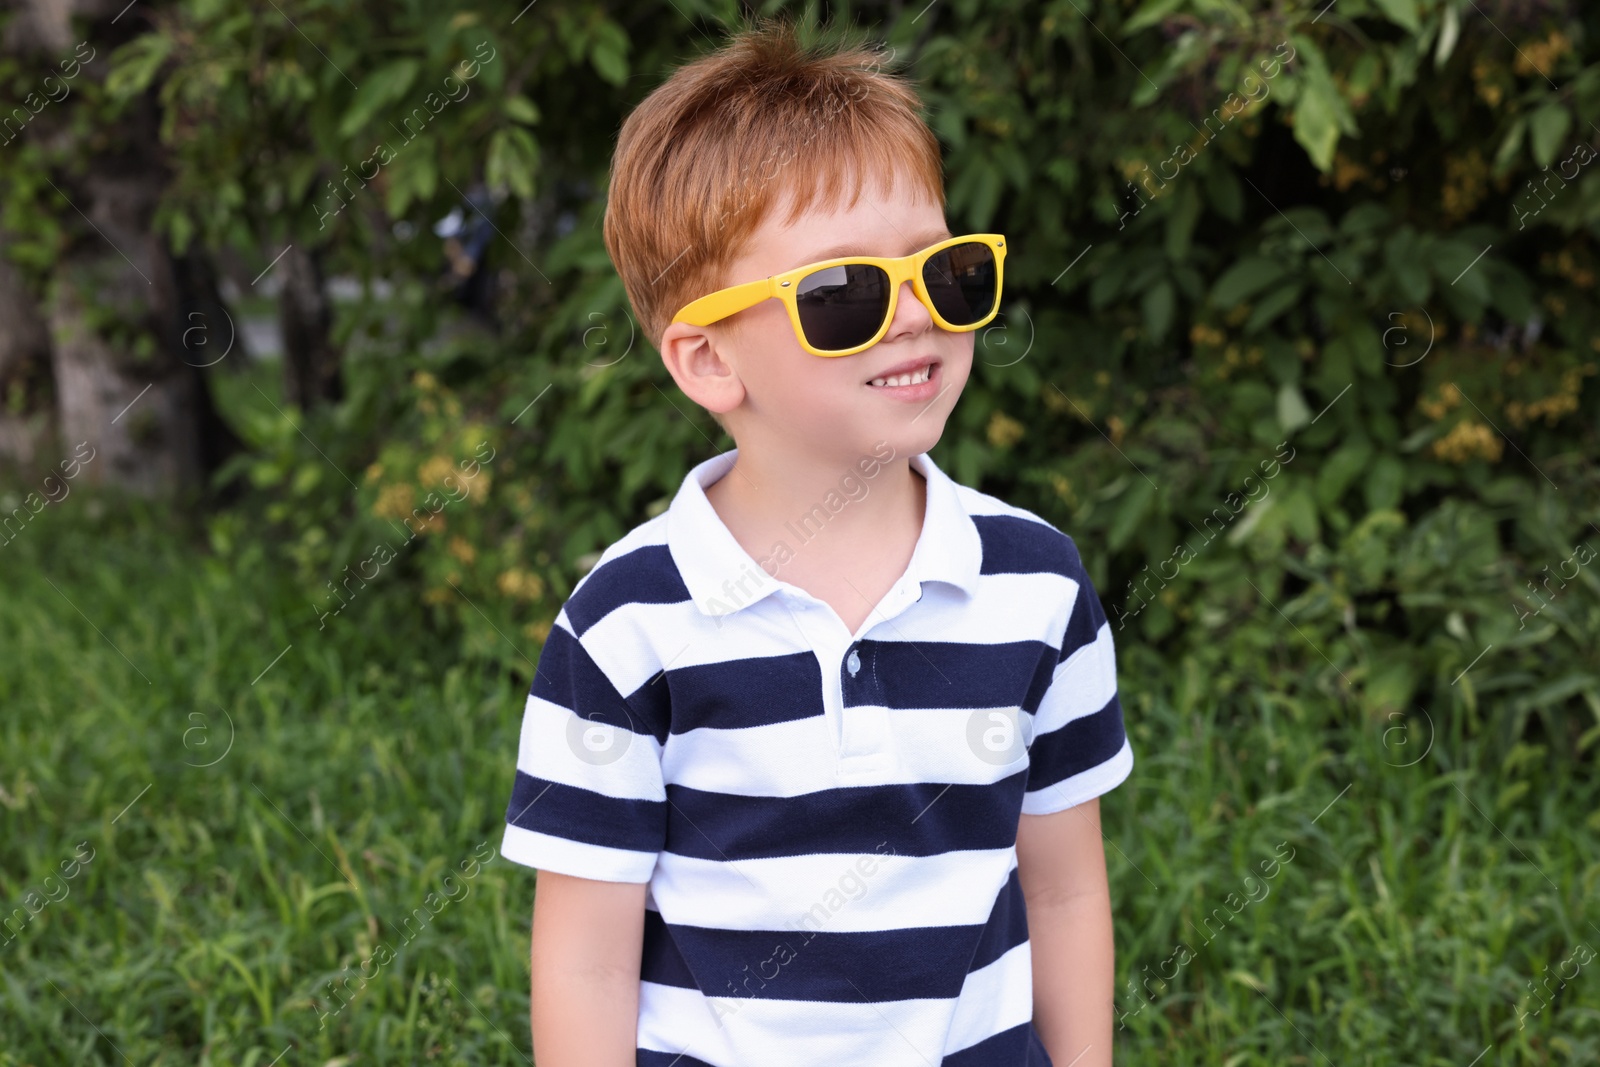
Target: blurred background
[318,393]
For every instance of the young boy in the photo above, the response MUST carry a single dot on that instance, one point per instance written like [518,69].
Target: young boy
[810,764]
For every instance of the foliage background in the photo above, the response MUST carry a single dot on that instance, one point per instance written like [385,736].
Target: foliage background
[1384,269]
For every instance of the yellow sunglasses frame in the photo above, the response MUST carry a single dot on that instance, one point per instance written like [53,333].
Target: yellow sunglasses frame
[716,306]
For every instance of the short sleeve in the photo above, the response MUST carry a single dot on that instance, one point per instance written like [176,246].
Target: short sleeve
[588,799]
[1079,748]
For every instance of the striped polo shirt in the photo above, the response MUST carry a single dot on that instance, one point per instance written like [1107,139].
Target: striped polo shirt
[826,821]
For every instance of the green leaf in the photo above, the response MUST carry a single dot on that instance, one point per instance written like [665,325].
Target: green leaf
[1244,279]
[1316,122]
[1384,484]
[520,109]
[1546,127]
[1401,12]
[513,157]
[1511,144]
[1449,33]
[1274,304]
[137,63]
[610,53]
[380,88]
[1158,306]
[1151,13]
[1292,410]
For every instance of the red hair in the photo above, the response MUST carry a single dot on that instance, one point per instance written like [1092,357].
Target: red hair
[704,158]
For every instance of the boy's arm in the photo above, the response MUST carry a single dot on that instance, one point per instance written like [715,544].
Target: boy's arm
[1061,865]
[588,937]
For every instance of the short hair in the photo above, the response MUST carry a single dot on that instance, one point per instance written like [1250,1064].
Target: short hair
[704,157]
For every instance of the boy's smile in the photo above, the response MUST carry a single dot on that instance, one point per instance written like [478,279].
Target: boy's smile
[914,379]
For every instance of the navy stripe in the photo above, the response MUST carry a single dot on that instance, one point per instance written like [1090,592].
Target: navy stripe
[644,576]
[912,819]
[584,815]
[948,674]
[1083,627]
[859,967]
[1078,746]
[742,693]
[568,677]
[1017,1047]
[1007,926]
[661,962]
[645,1057]
[1013,545]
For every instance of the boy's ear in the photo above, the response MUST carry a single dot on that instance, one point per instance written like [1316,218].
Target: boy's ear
[692,358]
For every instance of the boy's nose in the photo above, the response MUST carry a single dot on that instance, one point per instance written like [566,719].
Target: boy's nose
[909,312]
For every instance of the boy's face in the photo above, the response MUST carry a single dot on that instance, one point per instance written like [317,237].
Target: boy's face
[783,397]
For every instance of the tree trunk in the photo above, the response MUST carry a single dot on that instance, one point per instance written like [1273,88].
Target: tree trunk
[131,325]
[311,374]
[25,387]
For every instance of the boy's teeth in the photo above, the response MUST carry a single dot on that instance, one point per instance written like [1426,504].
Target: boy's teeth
[911,378]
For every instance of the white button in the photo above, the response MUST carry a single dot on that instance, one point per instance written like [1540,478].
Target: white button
[854,663]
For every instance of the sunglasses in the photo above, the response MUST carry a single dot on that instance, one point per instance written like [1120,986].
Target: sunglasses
[843,306]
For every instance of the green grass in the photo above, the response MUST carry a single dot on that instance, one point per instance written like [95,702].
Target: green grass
[369,759]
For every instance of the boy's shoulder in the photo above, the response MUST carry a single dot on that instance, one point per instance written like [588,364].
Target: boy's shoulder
[1016,540]
[636,567]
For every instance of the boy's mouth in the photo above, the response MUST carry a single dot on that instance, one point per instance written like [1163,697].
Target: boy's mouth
[907,375]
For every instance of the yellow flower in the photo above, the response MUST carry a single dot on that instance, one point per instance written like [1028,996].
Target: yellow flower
[1004,431]
[520,583]
[1468,440]
[424,381]
[374,472]
[460,549]
[539,631]
[394,501]
[435,470]
[1063,487]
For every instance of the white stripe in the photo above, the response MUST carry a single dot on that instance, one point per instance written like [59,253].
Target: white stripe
[558,746]
[838,892]
[1082,685]
[993,1000]
[1070,792]
[548,853]
[792,1033]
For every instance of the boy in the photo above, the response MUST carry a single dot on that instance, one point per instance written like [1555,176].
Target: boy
[810,764]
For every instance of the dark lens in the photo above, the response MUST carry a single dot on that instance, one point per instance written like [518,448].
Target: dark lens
[842,307]
[963,282]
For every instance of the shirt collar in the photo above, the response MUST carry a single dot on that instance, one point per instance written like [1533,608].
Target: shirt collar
[722,577]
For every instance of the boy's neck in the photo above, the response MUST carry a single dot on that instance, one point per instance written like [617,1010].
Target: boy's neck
[834,519]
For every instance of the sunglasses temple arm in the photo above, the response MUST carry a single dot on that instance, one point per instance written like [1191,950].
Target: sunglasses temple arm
[724,302]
